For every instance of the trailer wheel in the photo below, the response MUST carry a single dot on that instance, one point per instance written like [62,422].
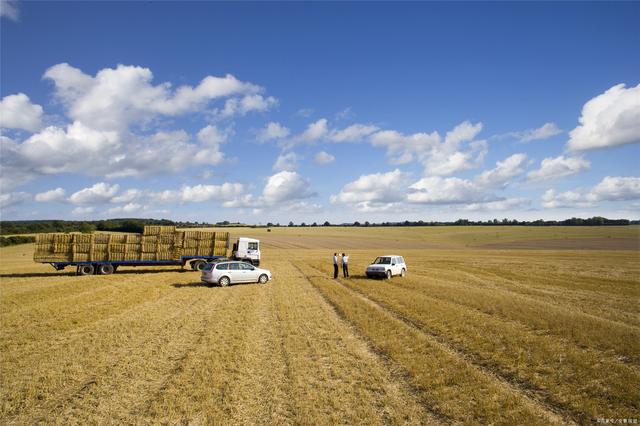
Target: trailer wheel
[198,265]
[86,269]
[105,269]
[224,281]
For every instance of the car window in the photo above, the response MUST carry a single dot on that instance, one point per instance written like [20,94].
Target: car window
[234,266]
[246,267]
[223,266]
[382,261]
[208,267]
[401,259]
[394,260]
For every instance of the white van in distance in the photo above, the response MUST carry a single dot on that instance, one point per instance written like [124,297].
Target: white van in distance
[387,266]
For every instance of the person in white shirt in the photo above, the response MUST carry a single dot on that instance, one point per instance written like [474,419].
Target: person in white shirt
[345,265]
[335,265]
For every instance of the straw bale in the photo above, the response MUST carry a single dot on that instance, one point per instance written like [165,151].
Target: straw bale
[133,248]
[165,247]
[132,256]
[165,255]
[62,238]
[166,239]
[149,239]
[147,256]
[117,248]
[44,238]
[81,248]
[101,238]
[134,239]
[118,238]
[159,230]
[189,251]
[149,248]
[190,243]
[81,257]
[82,238]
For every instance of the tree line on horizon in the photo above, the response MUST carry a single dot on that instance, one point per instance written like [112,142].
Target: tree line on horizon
[137,225]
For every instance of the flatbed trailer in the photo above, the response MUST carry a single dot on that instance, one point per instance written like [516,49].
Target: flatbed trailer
[108,267]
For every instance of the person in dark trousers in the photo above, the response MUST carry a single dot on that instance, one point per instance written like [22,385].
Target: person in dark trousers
[335,265]
[345,265]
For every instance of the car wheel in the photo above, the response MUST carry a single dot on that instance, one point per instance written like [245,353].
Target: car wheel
[224,281]
[198,265]
[389,275]
[263,279]
[86,270]
[105,269]
[403,273]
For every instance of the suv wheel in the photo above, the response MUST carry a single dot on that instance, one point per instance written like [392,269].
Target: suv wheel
[403,273]
[389,274]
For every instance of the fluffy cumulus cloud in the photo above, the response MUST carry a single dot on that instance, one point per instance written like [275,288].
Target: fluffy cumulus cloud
[246,104]
[51,195]
[320,130]
[272,131]
[610,119]
[322,158]
[286,161]
[374,192]
[17,112]
[285,186]
[456,152]
[504,171]
[452,190]
[113,121]
[97,194]
[558,167]
[13,198]
[610,188]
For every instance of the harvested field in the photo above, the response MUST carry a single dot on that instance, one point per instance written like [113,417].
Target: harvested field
[476,333]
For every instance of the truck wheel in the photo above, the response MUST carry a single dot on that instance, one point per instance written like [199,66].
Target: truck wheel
[263,279]
[198,265]
[224,281]
[389,275]
[85,270]
[403,273]
[105,269]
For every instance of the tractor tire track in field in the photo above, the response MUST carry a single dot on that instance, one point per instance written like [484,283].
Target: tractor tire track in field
[76,392]
[535,395]
[397,371]
[608,352]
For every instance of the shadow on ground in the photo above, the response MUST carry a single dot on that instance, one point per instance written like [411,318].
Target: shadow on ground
[69,273]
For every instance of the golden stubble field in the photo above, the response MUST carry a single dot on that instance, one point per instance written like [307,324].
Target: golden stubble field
[504,325]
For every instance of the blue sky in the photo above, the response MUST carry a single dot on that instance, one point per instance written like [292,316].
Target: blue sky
[308,112]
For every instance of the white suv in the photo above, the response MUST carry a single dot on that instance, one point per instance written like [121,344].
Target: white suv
[225,273]
[387,266]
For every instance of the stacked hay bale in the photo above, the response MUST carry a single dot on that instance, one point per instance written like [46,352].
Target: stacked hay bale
[156,243]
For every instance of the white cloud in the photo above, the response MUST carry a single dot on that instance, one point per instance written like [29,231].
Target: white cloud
[246,104]
[558,167]
[288,161]
[543,132]
[453,190]
[500,205]
[345,114]
[127,209]
[323,158]
[128,196]
[116,97]
[13,198]
[374,192]
[201,193]
[81,211]
[304,112]
[553,200]
[97,194]
[316,130]
[353,133]
[504,171]
[457,151]
[9,9]
[286,186]
[610,188]
[609,119]
[615,188]
[51,195]
[272,131]
[17,112]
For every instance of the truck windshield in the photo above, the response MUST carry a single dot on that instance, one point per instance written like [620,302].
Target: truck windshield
[382,261]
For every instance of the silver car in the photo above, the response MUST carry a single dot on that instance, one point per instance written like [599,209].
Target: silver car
[233,272]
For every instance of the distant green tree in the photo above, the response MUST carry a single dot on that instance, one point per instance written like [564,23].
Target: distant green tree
[87,228]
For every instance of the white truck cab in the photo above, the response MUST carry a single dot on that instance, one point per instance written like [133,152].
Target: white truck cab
[387,266]
[248,250]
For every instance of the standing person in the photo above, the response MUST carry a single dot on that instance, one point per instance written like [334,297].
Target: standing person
[345,265]
[335,265]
